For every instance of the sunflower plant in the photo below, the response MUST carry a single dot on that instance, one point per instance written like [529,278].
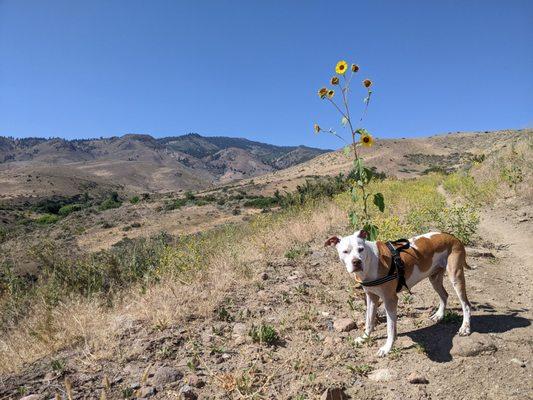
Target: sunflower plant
[360,138]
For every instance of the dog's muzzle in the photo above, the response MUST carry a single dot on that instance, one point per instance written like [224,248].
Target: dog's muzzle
[357,265]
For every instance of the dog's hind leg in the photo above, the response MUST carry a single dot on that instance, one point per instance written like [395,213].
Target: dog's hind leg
[436,282]
[456,263]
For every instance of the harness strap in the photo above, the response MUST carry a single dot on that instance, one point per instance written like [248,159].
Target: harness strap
[396,265]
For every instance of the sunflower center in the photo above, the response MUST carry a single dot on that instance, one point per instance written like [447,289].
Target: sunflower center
[366,140]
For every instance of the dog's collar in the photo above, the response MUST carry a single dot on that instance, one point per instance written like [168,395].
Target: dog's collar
[396,265]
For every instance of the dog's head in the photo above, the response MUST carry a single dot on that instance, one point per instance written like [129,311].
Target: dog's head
[352,250]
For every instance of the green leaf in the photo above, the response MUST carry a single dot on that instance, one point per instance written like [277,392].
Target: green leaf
[379,201]
[354,219]
[353,193]
[372,231]
[346,150]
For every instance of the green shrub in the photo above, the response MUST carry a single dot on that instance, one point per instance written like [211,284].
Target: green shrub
[70,208]
[175,204]
[47,219]
[261,202]
[135,200]
[264,334]
[460,220]
[113,201]
[297,251]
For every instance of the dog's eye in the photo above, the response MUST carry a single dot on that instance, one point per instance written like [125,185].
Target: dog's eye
[361,249]
[345,251]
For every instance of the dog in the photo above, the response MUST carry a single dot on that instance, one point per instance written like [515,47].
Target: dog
[429,256]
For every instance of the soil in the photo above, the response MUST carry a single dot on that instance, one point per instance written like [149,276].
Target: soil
[302,299]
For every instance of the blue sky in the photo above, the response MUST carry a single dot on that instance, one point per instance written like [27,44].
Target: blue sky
[79,69]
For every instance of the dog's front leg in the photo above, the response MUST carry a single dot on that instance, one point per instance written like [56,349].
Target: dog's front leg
[391,306]
[371,309]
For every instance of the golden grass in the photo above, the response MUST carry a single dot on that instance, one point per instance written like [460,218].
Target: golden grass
[235,260]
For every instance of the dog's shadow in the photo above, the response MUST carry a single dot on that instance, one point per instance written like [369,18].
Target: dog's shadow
[437,339]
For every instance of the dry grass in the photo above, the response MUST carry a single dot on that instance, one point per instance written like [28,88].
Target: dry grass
[234,263]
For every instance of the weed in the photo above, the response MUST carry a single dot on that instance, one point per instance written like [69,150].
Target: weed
[68,209]
[421,348]
[407,298]
[363,369]
[395,353]
[264,334]
[451,317]
[57,365]
[297,251]
[135,200]
[47,219]
[223,314]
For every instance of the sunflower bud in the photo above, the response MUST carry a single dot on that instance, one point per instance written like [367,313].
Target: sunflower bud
[323,92]
[331,93]
[317,128]
[367,83]
[355,67]
[335,80]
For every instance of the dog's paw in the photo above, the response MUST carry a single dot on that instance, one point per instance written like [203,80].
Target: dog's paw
[437,317]
[383,351]
[360,340]
[464,330]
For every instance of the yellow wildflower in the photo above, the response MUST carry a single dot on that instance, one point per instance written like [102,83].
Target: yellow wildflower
[323,92]
[331,93]
[341,67]
[335,80]
[367,140]
[317,128]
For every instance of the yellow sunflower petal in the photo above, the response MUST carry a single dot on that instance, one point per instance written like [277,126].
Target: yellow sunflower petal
[341,67]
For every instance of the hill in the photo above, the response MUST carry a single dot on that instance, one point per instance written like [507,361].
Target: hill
[37,167]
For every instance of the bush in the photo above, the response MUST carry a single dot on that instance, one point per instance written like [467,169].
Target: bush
[135,200]
[264,334]
[112,201]
[175,204]
[461,221]
[68,209]
[47,219]
[261,202]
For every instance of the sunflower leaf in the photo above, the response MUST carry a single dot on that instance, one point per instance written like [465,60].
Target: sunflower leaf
[346,150]
[379,201]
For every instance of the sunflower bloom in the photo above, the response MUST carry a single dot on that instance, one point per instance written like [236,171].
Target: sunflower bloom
[331,93]
[317,128]
[367,140]
[355,67]
[335,80]
[323,92]
[367,83]
[341,67]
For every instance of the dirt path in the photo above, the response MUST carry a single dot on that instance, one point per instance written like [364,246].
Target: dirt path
[302,299]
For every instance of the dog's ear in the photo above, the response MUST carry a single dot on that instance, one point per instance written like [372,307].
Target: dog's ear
[362,234]
[332,241]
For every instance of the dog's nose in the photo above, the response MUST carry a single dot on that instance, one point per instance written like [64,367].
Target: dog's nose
[357,263]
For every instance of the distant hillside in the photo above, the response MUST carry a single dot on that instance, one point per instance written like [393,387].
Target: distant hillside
[45,167]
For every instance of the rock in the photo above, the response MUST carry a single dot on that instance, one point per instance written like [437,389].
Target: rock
[382,375]
[239,333]
[264,276]
[473,345]
[146,391]
[165,375]
[482,253]
[31,397]
[518,362]
[344,324]
[195,381]
[186,393]
[415,377]
[334,394]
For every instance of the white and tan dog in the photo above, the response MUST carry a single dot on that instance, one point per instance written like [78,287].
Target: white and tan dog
[429,256]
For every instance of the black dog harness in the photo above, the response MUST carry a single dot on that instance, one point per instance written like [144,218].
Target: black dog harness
[397,268]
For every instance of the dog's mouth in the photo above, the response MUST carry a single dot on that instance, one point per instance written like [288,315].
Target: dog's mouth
[357,266]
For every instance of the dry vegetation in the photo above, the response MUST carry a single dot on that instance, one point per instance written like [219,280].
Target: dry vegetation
[103,311]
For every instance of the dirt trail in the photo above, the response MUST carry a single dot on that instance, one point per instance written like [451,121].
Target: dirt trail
[302,299]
